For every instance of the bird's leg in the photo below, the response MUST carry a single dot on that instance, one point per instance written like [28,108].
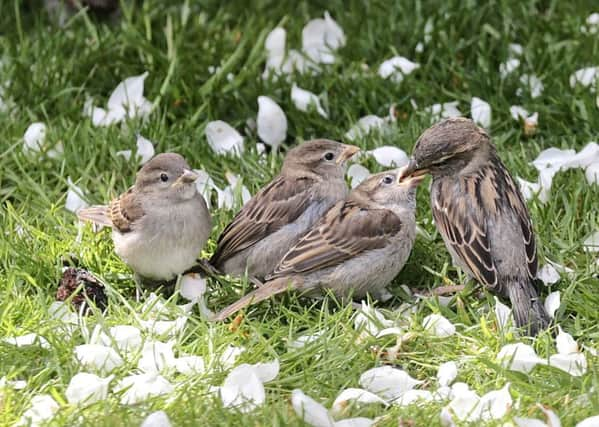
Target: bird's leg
[444,290]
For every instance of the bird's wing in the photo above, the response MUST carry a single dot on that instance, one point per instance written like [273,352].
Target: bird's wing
[125,210]
[281,202]
[347,230]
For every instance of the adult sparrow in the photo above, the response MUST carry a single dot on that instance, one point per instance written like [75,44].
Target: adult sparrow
[161,223]
[310,182]
[481,214]
[358,247]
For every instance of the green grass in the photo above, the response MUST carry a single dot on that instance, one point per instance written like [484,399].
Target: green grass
[52,71]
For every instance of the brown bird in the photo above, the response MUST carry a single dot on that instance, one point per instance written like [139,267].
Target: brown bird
[481,214]
[358,247]
[159,225]
[310,182]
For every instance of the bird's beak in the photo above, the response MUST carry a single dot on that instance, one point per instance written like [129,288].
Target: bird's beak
[411,175]
[187,177]
[412,170]
[347,153]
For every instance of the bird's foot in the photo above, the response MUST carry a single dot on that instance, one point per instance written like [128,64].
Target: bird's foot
[203,266]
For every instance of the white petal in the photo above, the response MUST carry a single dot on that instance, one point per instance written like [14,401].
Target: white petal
[589,422]
[304,340]
[508,67]
[548,275]
[387,382]
[34,137]
[126,337]
[584,77]
[395,330]
[229,356]
[552,418]
[303,99]
[587,156]
[128,93]
[564,342]
[591,243]
[354,422]
[205,185]
[267,371]
[515,49]
[553,159]
[193,286]
[438,325]
[447,373]
[271,122]
[74,200]
[334,35]
[355,394]
[465,406]
[312,412]
[242,389]
[442,393]
[370,320]
[592,173]
[444,111]
[320,37]
[42,408]
[87,388]
[529,422]
[98,357]
[156,356]
[480,111]
[223,138]
[126,154]
[138,388]
[519,357]
[413,396]
[396,68]
[157,419]
[496,404]
[388,156]
[190,365]
[364,126]
[533,83]
[357,173]
[528,189]
[145,149]
[552,303]
[27,340]
[503,314]
[574,363]
[164,327]
[518,113]
[275,42]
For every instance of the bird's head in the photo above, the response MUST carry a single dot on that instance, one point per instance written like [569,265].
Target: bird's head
[390,189]
[323,157]
[169,176]
[445,146]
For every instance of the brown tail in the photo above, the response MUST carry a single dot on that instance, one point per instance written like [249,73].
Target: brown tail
[267,290]
[527,307]
[96,214]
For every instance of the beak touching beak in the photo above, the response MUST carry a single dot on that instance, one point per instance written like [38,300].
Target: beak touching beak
[187,177]
[411,175]
[347,153]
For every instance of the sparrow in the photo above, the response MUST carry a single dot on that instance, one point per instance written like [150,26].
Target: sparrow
[481,214]
[159,225]
[358,247]
[310,182]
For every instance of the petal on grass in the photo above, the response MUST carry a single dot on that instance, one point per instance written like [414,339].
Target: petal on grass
[519,357]
[411,397]
[34,137]
[304,100]
[41,409]
[74,200]
[585,77]
[358,395]
[387,382]
[98,357]
[354,422]
[503,314]
[167,328]
[589,422]
[312,412]
[357,173]
[157,419]
[190,365]
[271,122]
[532,83]
[370,320]
[548,275]
[127,338]
[156,356]
[496,404]
[242,389]
[364,126]
[447,373]
[574,363]
[444,111]
[268,371]
[193,287]
[229,356]
[87,388]
[591,243]
[397,68]
[141,387]
[592,173]
[145,149]
[552,303]
[223,138]
[508,67]
[320,37]
[27,340]
[390,157]
[438,326]
[480,111]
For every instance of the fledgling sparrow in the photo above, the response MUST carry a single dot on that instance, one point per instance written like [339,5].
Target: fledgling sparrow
[310,182]
[358,247]
[481,214]
[160,225]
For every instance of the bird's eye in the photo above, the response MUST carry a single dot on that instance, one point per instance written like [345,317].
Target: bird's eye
[329,156]
[163,177]
[388,179]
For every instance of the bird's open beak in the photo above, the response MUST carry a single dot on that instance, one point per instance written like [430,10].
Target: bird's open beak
[412,170]
[187,177]
[347,153]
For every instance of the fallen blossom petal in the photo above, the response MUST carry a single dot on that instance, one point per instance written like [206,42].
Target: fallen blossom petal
[370,320]
[320,37]
[34,137]
[190,365]
[515,49]
[205,185]
[156,356]
[275,42]
[388,156]
[229,356]
[145,149]
[87,388]
[387,382]
[585,77]
[444,111]
[128,94]
[591,243]
[271,122]
[304,340]
[164,327]
[442,393]
[574,363]
[465,406]
[312,412]
[126,337]
[357,173]
[243,389]
[27,340]
[480,111]
[548,275]
[552,303]
[529,189]
[592,173]
[75,200]
[532,83]
[438,325]
[413,396]
[41,409]
[553,159]
[303,99]
[357,395]
[565,343]
[141,387]
[496,404]
[519,357]
[503,314]
[508,67]
[364,126]
[529,422]
[447,373]
[354,422]
[223,138]
[98,357]
[267,372]
[395,330]
[586,157]
[397,68]
[589,422]
[193,287]
[157,419]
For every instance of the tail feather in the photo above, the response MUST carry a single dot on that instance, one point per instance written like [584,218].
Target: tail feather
[97,214]
[266,291]
[527,307]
